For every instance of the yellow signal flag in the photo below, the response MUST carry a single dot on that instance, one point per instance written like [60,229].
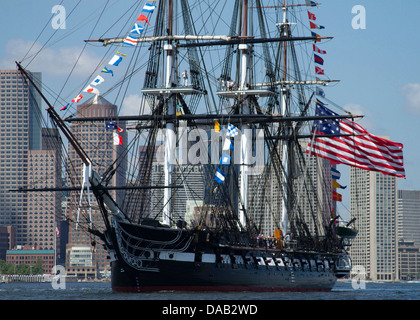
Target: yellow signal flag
[335,184]
[216,126]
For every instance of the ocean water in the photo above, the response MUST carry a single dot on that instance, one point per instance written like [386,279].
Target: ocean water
[103,292]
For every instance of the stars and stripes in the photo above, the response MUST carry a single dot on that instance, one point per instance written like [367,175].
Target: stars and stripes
[356,147]
[326,126]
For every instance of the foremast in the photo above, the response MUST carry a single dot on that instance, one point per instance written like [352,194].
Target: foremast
[170,143]
[285,200]
[245,150]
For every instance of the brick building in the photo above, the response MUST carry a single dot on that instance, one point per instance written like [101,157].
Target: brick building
[30,257]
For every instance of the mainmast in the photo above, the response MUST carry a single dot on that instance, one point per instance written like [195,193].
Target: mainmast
[170,141]
[284,111]
[245,152]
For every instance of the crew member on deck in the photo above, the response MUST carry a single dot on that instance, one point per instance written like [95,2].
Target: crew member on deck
[185,78]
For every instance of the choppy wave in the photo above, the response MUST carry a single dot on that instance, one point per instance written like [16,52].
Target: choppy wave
[103,291]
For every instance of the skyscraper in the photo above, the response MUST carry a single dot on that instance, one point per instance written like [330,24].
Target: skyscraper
[98,144]
[373,202]
[409,216]
[188,176]
[316,184]
[20,130]
[408,234]
[44,208]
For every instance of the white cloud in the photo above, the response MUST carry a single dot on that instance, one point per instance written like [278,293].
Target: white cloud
[354,108]
[49,61]
[134,105]
[411,93]
[357,109]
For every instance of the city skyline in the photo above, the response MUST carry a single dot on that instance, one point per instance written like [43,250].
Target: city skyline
[363,91]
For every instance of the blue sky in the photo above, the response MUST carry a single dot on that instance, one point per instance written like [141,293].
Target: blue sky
[379,71]
[378,67]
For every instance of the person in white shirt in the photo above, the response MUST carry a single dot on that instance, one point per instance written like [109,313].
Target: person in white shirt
[185,78]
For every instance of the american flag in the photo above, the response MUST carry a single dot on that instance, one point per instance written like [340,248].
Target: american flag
[355,146]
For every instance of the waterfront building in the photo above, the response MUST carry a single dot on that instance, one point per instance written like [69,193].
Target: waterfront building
[30,256]
[28,159]
[20,130]
[408,234]
[409,216]
[315,182]
[408,260]
[373,202]
[80,262]
[7,240]
[44,209]
[189,177]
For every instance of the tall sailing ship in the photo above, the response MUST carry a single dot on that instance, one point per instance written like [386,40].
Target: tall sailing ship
[223,128]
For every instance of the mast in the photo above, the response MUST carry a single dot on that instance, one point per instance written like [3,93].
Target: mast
[170,141]
[245,128]
[284,96]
